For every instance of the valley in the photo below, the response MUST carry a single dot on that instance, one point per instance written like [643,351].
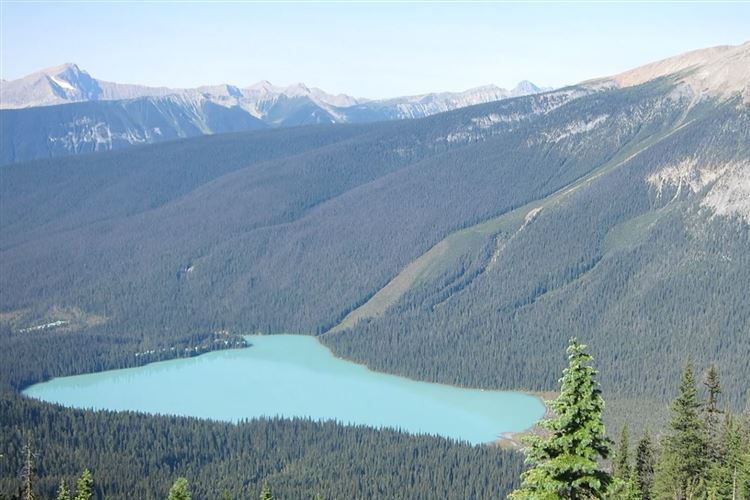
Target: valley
[434,268]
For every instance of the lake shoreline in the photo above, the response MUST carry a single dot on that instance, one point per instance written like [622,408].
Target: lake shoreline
[294,376]
[505,437]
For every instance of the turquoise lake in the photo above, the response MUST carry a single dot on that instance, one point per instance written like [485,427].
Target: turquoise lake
[296,376]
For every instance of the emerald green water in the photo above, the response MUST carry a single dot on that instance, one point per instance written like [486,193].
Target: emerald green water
[296,376]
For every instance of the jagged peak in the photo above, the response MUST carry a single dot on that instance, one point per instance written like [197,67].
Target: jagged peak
[262,85]
[67,67]
[298,88]
[221,89]
[526,87]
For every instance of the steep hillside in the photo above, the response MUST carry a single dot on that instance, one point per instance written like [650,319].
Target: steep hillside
[465,247]
[647,268]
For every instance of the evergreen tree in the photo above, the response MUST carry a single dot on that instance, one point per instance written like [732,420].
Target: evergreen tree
[733,478]
[63,493]
[712,414]
[644,465]
[180,490]
[622,490]
[721,472]
[265,492]
[564,463]
[714,389]
[85,486]
[27,473]
[742,486]
[622,456]
[625,485]
[681,472]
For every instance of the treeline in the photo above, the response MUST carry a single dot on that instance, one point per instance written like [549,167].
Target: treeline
[84,485]
[133,455]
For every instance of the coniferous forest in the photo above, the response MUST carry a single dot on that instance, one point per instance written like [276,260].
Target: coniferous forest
[138,456]
[471,247]
[703,452]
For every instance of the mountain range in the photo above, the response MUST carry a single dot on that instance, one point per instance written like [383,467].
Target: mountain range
[63,110]
[464,247]
[67,83]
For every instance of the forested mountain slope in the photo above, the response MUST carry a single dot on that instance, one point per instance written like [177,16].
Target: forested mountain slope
[615,214]
[647,260]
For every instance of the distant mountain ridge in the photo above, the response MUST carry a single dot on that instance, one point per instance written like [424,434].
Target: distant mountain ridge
[64,110]
[87,127]
[68,83]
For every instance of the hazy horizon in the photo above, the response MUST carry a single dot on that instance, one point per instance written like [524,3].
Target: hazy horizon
[373,50]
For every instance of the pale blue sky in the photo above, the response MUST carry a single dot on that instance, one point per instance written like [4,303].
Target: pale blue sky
[363,49]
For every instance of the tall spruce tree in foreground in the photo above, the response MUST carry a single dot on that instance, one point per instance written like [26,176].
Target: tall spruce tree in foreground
[681,472]
[565,462]
[716,438]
